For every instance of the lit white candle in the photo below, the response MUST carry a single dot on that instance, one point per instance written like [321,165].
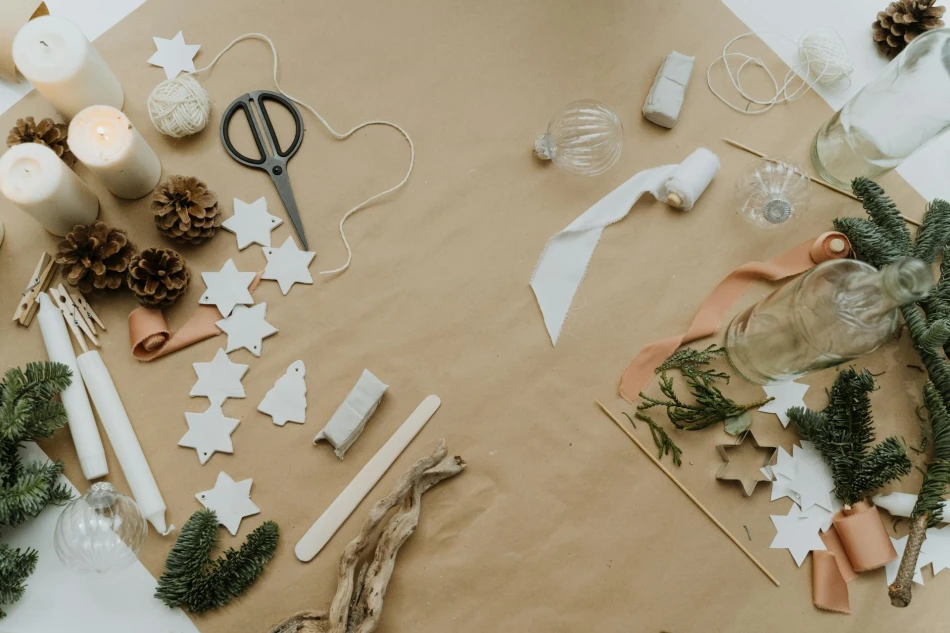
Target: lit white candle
[63,66]
[108,144]
[82,424]
[35,179]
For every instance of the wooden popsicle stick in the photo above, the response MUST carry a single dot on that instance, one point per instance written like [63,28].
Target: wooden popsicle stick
[817,181]
[343,506]
[687,492]
[86,312]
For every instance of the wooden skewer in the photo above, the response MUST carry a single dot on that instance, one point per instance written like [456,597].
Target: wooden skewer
[687,492]
[817,181]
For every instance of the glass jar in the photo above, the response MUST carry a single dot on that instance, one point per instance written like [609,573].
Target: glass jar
[832,314]
[906,106]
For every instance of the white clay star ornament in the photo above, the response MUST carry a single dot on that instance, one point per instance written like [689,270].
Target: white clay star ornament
[797,534]
[174,56]
[812,481]
[787,394]
[251,223]
[247,328]
[219,379]
[227,288]
[891,569]
[938,548]
[209,432]
[288,265]
[287,401]
[230,500]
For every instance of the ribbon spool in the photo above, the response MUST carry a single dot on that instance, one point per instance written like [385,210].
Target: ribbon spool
[690,179]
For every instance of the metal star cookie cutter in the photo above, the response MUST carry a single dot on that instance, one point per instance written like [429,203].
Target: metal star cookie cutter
[747,481]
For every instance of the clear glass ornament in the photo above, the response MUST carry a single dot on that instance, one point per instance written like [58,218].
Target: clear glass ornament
[772,192]
[832,314]
[101,531]
[584,138]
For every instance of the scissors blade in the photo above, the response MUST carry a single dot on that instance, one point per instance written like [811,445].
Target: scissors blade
[282,182]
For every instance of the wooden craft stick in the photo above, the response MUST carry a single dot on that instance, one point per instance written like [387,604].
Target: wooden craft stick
[817,181]
[86,312]
[39,281]
[687,492]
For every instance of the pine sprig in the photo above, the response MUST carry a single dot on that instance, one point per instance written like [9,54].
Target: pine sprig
[690,362]
[664,443]
[15,567]
[195,581]
[937,478]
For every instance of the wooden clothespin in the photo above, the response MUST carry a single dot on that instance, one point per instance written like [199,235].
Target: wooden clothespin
[39,281]
[86,312]
[77,324]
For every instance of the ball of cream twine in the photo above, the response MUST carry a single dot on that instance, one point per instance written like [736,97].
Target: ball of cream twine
[825,56]
[179,107]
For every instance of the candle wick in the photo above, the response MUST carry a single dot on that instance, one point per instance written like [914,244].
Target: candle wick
[44,43]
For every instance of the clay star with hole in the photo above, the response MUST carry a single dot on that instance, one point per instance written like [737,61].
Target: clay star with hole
[247,328]
[798,534]
[174,56]
[288,265]
[209,432]
[230,500]
[729,472]
[787,394]
[227,288]
[251,223]
[219,380]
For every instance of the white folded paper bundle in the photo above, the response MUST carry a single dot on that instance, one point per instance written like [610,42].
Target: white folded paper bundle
[351,416]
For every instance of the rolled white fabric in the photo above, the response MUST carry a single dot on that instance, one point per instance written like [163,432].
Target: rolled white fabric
[82,424]
[690,178]
[122,437]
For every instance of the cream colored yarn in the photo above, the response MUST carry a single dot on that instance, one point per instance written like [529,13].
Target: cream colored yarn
[179,107]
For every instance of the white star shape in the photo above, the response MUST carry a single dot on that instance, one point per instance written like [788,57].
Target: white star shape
[798,534]
[174,55]
[891,569]
[209,432]
[251,223]
[288,265]
[219,380]
[227,288]
[938,548]
[826,516]
[781,474]
[247,328]
[787,394]
[230,500]
[812,481]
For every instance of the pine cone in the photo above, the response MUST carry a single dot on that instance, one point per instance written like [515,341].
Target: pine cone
[158,277]
[95,256]
[185,210]
[902,21]
[46,132]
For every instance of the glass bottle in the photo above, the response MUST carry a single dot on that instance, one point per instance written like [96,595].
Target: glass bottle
[895,114]
[585,137]
[830,315]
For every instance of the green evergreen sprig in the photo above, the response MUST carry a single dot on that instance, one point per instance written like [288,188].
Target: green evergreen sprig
[15,567]
[195,581]
[844,431]
[664,443]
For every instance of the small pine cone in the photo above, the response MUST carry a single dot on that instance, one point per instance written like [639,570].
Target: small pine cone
[95,256]
[902,21]
[158,277]
[185,210]
[46,132]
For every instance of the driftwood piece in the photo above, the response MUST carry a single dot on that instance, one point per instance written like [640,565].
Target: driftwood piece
[358,602]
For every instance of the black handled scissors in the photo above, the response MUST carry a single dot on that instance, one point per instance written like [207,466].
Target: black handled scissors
[273,159]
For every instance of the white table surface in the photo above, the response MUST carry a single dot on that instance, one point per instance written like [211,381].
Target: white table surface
[123,602]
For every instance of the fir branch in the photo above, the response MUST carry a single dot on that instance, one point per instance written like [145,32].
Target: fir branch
[15,567]
[883,212]
[196,582]
[868,241]
[937,477]
[664,443]
[934,231]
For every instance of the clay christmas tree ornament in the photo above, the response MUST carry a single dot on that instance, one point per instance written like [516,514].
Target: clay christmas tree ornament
[219,379]
[251,223]
[287,401]
[227,288]
[209,432]
[247,328]
[230,500]
[288,265]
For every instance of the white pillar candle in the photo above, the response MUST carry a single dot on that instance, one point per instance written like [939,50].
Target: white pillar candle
[35,179]
[104,139]
[63,66]
[122,437]
[82,424]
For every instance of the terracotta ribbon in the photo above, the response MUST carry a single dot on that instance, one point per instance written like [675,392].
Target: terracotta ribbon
[856,542]
[831,245]
[151,337]
[13,15]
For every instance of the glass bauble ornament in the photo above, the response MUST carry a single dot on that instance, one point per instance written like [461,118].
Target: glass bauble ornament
[101,531]
[771,193]
[584,138]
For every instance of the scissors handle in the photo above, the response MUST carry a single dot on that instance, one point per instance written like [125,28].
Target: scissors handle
[254,102]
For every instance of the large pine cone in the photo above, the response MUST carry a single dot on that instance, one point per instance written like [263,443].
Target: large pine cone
[158,277]
[95,256]
[185,210]
[902,21]
[46,132]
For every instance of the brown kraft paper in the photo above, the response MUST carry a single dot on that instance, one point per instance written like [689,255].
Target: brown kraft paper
[13,15]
